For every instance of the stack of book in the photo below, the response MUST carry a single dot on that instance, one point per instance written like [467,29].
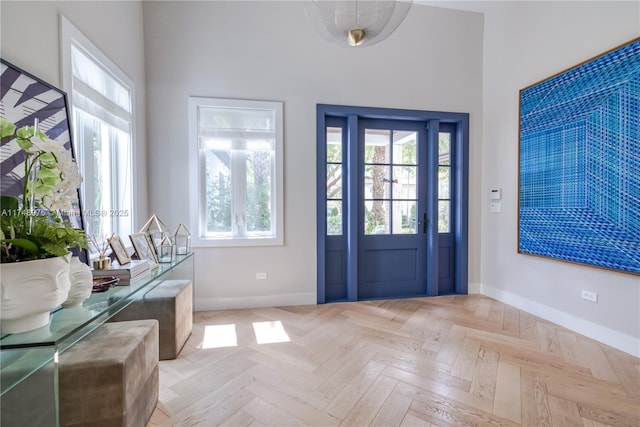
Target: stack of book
[127,273]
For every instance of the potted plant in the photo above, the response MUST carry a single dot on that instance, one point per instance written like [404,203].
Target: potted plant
[34,237]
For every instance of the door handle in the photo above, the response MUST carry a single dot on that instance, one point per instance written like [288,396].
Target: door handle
[424,223]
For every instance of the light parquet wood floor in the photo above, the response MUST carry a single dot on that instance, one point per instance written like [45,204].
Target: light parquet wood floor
[443,361]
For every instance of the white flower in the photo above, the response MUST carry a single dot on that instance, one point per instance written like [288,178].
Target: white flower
[62,195]
[46,145]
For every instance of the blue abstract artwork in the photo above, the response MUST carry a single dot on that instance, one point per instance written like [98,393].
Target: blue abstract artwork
[579,171]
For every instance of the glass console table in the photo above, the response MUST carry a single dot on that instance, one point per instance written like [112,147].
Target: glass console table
[28,361]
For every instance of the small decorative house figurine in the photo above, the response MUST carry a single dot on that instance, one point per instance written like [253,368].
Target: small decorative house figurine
[182,240]
[156,230]
[165,250]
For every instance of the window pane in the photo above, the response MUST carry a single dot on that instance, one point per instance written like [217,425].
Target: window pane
[334,145]
[404,148]
[404,182]
[218,191]
[444,148]
[443,183]
[376,182]
[334,181]
[93,144]
[334,217]
[236,119]
[376,217]
[443,216]
[99,80]
[103,122]
[404,217]
[104,161]
[258,196]
[122,218]
[376,146]
[239,144]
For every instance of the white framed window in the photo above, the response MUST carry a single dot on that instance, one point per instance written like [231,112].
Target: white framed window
[101,99]
[236,169]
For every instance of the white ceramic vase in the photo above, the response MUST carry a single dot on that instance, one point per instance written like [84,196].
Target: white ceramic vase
[30,290]
[81,283]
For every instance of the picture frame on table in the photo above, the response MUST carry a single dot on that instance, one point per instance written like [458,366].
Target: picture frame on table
[144,248]
[119,250]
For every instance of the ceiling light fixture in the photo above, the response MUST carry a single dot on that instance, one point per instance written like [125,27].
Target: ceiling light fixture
[358,22]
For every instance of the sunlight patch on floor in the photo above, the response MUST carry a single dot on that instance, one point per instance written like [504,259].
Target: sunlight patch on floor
[217,336]
[270,332]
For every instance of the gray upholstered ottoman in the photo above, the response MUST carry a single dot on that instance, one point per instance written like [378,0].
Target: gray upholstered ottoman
[171,303]
[111,376]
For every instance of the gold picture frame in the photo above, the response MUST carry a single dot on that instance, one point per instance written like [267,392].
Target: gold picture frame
[119,250]
[144,248]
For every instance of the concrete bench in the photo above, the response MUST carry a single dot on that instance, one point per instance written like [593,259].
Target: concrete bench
[111,376]
[171,304]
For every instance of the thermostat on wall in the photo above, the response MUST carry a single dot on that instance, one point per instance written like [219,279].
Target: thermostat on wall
[496,194]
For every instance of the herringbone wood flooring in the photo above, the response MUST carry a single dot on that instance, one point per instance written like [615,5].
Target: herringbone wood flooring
[453,360]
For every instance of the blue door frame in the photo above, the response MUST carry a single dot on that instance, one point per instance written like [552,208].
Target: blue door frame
[343,252]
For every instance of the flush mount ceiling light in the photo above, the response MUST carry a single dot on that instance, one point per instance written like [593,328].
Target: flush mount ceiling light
[356,22]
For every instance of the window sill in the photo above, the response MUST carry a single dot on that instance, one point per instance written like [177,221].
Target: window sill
[221,242]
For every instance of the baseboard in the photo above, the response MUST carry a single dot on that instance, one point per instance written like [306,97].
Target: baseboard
[474,288]
[600,333]
[278,300]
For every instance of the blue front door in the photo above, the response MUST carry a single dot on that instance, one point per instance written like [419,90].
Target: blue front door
[392,219]
[391,203]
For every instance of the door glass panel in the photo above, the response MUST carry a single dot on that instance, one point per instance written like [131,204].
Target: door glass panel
[334,217]
[404,148]
[377,182]
[443,182]
[404,217]
[376,217]
[334,145]
[404,182]
[334,181]
[443,216]
[376,146]
[444,150]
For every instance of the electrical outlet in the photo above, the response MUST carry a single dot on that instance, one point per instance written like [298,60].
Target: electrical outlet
[261,276]
[590,296]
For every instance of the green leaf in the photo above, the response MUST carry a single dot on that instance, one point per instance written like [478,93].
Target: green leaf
[46,173]
[25,244]
[25,144]
[48,159]
[6,128]
[9,203]
[41,134]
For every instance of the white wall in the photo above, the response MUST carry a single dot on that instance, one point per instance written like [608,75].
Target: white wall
[525,42]
[30,39]
[268,51]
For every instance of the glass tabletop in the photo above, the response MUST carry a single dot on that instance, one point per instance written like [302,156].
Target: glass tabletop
[70,324]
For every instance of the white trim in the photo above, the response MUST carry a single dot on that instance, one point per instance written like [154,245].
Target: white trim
[281,300]
[615,339]
[475,288]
